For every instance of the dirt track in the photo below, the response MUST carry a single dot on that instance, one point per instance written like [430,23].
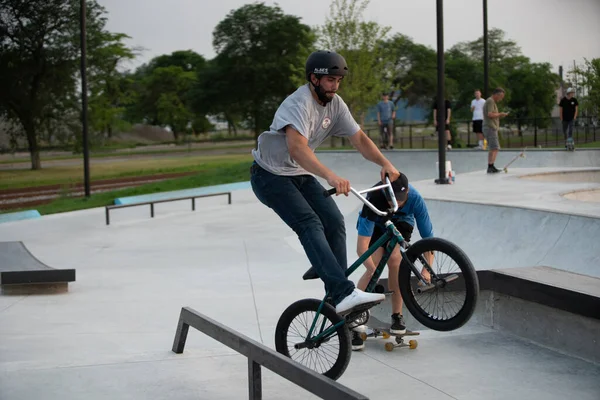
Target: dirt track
[34,196]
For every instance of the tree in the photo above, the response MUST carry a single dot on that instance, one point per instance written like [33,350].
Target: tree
[412,68]
[587,77]
[260,52]
[359,41]
[109,89]
[38,60]
[39,63]
[188,60]
[499,48]
[212,94]
[163,91]
[165,94]
[530,87]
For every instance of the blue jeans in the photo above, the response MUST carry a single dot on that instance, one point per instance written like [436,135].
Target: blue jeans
[567,129]
[316,219]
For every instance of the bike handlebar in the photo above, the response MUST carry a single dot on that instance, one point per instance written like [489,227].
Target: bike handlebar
[386,186]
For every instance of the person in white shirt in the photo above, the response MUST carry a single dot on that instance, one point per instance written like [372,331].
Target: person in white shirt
[477,110]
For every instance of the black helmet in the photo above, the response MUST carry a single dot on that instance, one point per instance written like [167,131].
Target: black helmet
[325,62]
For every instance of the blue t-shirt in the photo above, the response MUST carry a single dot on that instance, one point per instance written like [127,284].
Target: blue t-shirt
[385,110]
[414,209]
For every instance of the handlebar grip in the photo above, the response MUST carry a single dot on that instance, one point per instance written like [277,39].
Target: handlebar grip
[329,192]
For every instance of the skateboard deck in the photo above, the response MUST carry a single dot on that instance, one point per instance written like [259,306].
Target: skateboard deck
[382,329]
[521,155]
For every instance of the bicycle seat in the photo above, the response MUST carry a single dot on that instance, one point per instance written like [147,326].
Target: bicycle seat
[310,274]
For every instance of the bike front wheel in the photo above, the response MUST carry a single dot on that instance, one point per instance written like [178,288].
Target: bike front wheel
[329,355]
[449,301]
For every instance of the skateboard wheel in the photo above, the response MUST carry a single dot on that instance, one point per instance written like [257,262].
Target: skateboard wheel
[413,344]
[363,336]
[385,335]
[389,346]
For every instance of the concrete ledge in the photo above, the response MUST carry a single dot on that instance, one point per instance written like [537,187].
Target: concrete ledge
[182,193]
[560,330]
[550,307]
[17,216]
[567,291]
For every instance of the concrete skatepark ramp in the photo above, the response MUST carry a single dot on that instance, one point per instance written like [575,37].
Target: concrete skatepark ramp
[111,336]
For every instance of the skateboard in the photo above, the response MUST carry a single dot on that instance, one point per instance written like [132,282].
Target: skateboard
[570,144]
[521,155]
[380,328]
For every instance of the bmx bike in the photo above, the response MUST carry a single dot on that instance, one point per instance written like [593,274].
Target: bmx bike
[310,331]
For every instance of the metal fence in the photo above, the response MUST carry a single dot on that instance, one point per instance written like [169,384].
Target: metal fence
[514,133]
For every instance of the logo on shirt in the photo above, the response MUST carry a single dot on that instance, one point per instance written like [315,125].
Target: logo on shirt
[326,123]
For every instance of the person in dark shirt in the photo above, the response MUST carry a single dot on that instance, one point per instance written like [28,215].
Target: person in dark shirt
[568,112]
[447,115]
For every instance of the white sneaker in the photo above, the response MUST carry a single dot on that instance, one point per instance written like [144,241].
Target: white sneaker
[356,298]
[449,147]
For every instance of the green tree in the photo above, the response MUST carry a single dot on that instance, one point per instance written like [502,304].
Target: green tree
[587,77]
[412,68]
[109,89]
[530,87]
[215,94]
[162,91]
[260,52]
[188,60]
[39,64]
[166,91]
[38,60]
[499,47]
[359,41]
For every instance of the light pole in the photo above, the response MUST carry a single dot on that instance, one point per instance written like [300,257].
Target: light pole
[84,102]
[486,56]
[441,104]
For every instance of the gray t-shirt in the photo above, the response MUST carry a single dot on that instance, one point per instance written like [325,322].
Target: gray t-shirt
[314,121]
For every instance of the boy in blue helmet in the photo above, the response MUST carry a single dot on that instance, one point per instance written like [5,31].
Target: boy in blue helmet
[411,209]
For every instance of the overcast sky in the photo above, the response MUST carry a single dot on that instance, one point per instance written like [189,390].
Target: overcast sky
[554,31]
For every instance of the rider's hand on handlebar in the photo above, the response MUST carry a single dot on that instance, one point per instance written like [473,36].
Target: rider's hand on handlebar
[341,185]
[391,171]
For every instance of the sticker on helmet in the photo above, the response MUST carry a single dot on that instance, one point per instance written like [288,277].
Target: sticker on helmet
[321,71]
[326,123]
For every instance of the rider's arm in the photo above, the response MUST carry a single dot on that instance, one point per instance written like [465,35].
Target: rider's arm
[561,109]
[422,218]
[303,155]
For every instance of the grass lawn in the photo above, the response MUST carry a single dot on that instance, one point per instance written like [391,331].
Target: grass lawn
[20,178]
[210,171]
[26,161]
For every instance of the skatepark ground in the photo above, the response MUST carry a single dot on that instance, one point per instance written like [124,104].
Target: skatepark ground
[109,336]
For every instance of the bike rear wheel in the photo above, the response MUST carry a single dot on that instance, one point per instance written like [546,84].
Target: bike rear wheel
[450,303]
[330,356]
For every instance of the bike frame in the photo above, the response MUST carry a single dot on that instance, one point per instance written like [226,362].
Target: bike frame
[392,236]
